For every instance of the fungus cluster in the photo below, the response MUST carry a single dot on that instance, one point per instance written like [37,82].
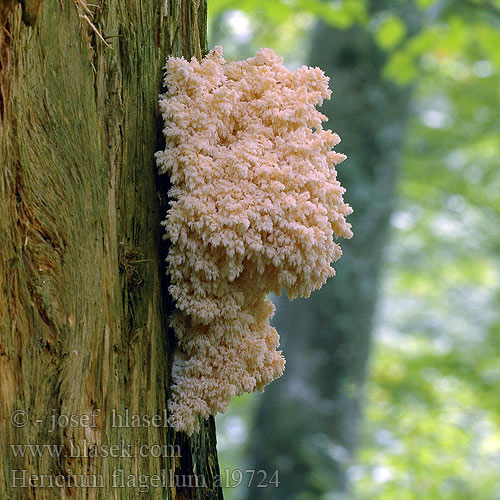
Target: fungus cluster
[255,205]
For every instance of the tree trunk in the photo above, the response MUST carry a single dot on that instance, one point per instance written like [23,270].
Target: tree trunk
[83,300]
[308,419]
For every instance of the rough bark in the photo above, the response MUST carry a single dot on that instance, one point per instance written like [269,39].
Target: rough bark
[308,419]
[83,303]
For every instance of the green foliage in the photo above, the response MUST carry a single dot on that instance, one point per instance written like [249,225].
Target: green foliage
[390,31]
[338,14]
[243,26]
[432,411]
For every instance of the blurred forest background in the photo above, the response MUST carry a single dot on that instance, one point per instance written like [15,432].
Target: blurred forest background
[392,387]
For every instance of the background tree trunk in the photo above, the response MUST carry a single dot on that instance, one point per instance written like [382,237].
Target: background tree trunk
[83,303]
[306,424]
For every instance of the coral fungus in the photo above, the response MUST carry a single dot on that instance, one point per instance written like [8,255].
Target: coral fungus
[255,206]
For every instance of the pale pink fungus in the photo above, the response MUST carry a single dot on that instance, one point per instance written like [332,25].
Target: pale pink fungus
[255,208]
